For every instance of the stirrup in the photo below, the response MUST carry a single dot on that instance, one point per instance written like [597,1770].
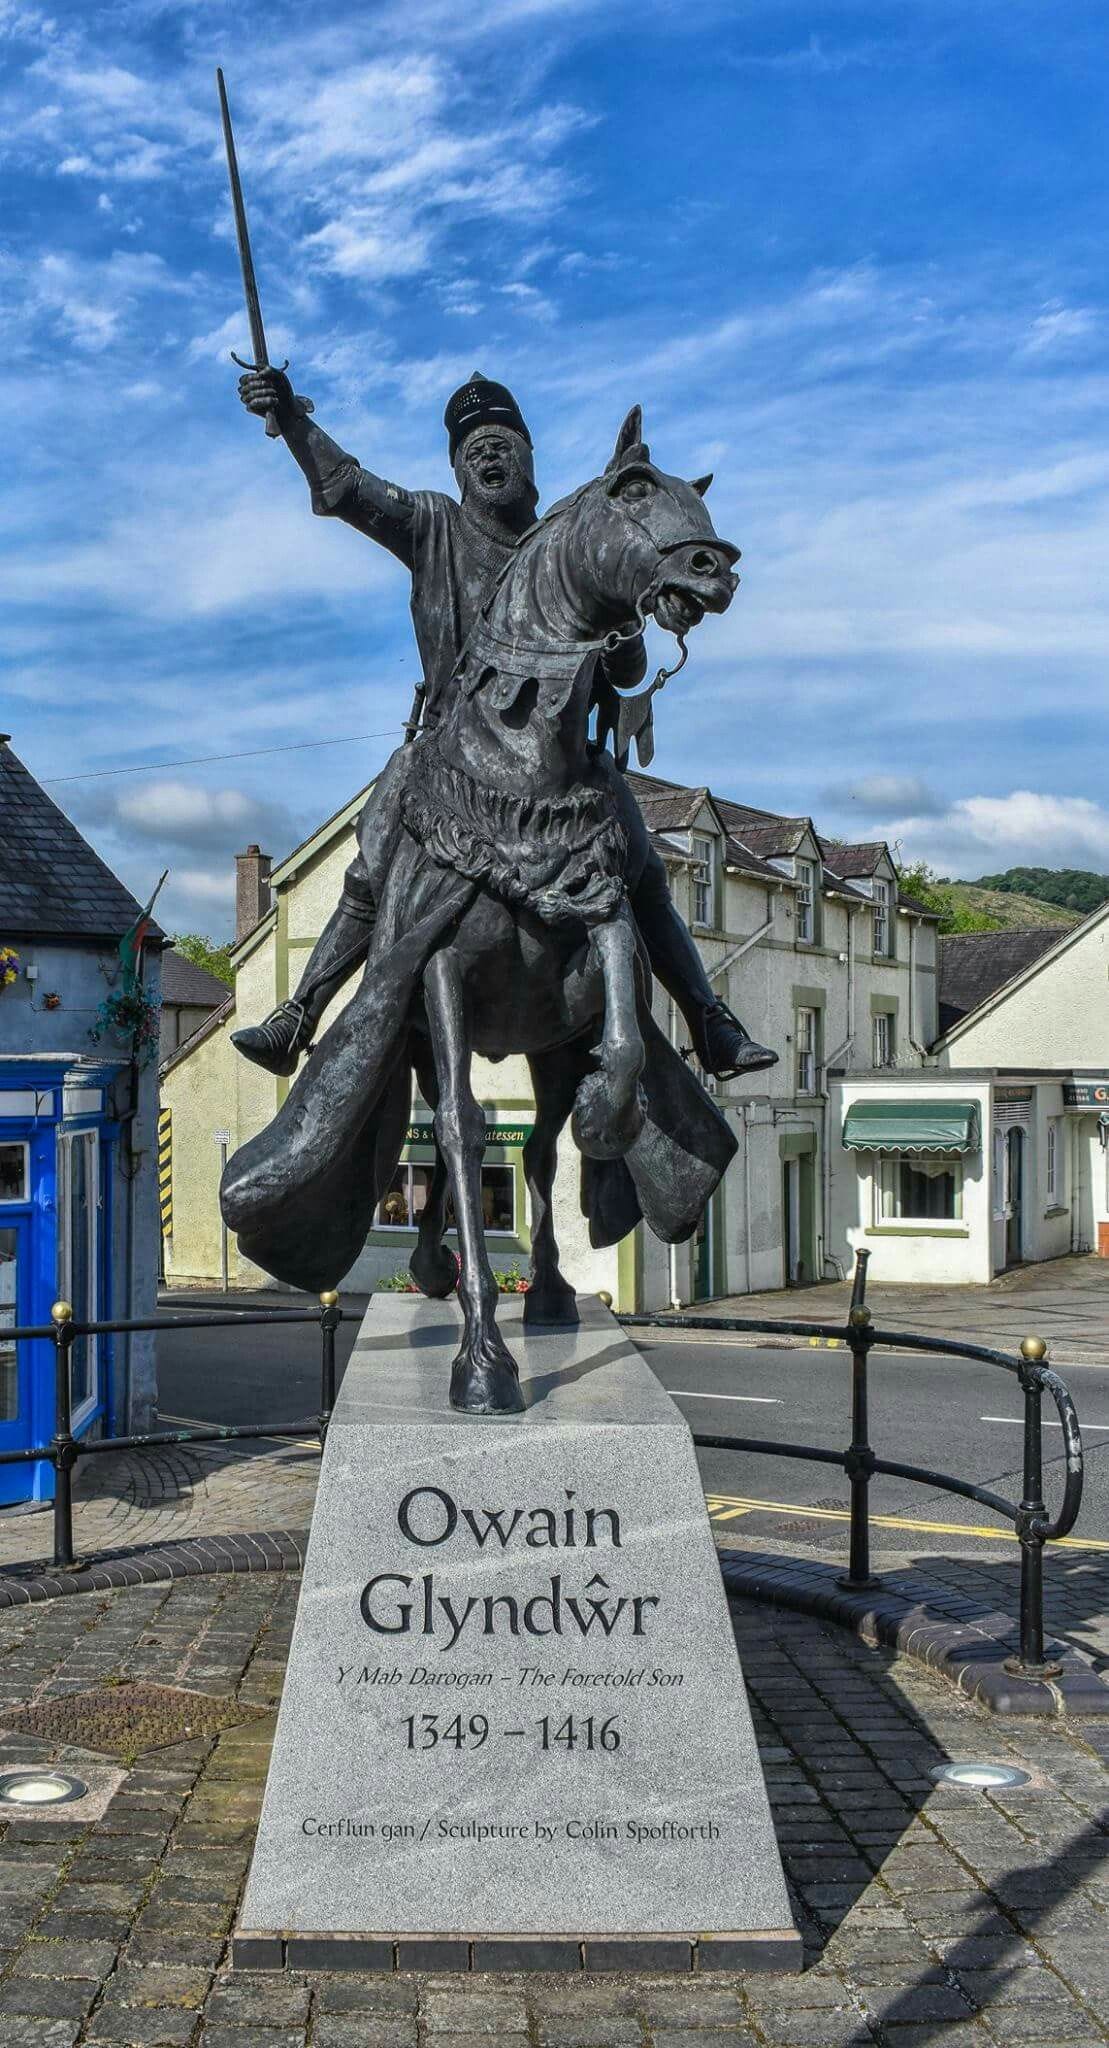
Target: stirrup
[303,1025]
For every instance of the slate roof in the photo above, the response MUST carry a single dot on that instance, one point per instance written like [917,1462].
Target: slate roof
[52,884]
[863,859]
[973,965]
[186,983]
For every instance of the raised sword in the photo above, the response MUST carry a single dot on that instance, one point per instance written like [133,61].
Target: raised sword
[246,260]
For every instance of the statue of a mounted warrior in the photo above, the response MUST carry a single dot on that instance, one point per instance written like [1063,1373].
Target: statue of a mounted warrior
[505,896]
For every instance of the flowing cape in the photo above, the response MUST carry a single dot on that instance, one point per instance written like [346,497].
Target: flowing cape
[301,1195]
[675,1165]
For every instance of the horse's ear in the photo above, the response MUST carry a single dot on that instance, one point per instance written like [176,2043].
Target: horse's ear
[700,484]
[629,437]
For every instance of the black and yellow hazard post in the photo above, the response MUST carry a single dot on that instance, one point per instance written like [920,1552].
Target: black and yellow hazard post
[165,1170]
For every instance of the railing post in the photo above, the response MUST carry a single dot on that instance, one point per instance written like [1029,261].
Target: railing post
[859,1463]
[1032,1519]
[63,1449]
[331,1316]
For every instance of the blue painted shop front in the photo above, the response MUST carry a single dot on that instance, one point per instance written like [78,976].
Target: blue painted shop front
[58,1143]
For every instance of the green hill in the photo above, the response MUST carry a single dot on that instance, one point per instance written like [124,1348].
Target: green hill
[976,907]
[1078,889]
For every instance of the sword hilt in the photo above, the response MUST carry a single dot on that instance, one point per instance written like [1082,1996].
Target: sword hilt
[303,405]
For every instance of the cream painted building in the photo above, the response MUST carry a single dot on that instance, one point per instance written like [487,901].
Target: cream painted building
[999,1153]
[807,940]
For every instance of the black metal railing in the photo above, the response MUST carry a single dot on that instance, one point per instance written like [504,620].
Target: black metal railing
[1034,1525]
[64,1449]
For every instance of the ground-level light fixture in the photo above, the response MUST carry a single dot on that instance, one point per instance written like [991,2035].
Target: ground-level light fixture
[981,1777]
[39,1788]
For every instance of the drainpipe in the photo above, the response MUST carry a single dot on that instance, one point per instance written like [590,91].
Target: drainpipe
[827,1258]
[722,967]
[672,1249]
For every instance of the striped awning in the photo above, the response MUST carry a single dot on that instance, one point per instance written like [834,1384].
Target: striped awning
[929,1126]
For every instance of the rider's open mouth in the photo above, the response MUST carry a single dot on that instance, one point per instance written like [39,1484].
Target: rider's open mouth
[493,476]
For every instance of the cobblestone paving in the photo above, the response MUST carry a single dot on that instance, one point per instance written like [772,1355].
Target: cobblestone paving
[143,1499]
[929,1916]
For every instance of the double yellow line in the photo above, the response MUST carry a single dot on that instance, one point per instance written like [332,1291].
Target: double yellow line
[731,1507]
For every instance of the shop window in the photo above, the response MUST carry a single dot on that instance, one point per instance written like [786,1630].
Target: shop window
[9,1319]
[883,1039]
[1055,1159]
[13,1173]
[915,1189]
[404,1201]
[703,891]
[806,901]
[805,1039]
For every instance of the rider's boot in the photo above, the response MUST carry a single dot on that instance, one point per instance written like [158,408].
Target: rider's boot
[277,1043]
[723,1046]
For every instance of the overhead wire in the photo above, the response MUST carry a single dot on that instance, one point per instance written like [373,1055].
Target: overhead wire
[249,754]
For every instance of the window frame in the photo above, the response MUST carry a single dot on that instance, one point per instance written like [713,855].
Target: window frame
[409,1229]
[882,916]
[882,1023]
[809,1051]
[704,879]
[805,877]
[888,1165]
[22,1145]
[1054,1159]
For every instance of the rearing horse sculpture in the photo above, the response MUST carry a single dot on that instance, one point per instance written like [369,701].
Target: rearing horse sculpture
[504,927]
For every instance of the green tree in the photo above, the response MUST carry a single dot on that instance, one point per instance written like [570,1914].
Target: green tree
[924,886]
[204,952]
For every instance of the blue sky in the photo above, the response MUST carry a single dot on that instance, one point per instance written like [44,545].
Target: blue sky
[851,257]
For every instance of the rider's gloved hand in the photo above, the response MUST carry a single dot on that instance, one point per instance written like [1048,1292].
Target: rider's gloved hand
[265,391]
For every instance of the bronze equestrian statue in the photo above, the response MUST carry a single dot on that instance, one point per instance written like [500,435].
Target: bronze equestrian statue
[499,893]
[454,553]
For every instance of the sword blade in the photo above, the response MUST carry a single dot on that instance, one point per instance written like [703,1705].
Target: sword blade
[242,236]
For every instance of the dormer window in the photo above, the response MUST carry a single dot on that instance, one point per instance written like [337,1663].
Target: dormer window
[806,900]
[704,893]
[881,916]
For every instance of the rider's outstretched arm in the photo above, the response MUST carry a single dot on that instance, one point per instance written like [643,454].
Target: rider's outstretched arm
[340,487]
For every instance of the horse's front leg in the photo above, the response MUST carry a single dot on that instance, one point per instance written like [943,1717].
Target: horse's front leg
[484,1380]
[608,1114]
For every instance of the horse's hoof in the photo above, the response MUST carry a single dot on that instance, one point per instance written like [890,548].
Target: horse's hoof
[434,1268]
[600,1128]
[484,1379]
[551,1303]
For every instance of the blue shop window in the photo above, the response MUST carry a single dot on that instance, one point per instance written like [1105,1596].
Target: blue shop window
[14,1171]
[9,1296]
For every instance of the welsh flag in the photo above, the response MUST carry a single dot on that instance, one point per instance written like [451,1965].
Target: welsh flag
[131,944]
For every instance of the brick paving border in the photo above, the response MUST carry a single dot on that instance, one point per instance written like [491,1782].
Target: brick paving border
[926,1620]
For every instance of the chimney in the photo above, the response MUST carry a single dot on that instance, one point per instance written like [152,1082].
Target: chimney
[252,889]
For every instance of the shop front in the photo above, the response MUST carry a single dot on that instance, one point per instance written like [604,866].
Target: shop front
[58,1139]
[503,1201]
[1086,1116]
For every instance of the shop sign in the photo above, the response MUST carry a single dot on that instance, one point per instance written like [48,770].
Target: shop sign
[1086,1094]
[1012,1094]
[495,1134]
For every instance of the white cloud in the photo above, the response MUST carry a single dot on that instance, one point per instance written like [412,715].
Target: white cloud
[1027,827]
[1059,326]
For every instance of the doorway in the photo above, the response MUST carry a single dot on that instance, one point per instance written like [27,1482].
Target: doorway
[79,1262]
[799,1218]
[703,1273]
[1014,1196]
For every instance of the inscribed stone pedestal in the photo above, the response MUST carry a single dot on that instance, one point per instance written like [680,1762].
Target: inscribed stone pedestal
[513,1714]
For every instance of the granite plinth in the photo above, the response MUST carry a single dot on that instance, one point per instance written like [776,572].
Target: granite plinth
[513,1719]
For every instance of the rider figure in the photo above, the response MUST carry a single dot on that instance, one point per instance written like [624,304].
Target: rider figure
[453,553]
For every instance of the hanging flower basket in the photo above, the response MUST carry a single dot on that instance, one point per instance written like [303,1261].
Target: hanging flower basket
[10,966]
[129,1016]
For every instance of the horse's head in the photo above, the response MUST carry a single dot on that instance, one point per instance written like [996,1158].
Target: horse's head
[651,540]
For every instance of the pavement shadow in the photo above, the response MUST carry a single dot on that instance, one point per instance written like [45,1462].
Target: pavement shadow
[963,1890]
[1076,1595]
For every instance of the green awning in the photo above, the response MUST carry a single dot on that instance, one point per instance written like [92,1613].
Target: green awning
[911,1127]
